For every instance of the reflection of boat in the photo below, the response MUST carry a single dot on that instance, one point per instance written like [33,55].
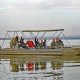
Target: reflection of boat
[36,69]
[28,66]
[36,66]
[41,74]
[37,74]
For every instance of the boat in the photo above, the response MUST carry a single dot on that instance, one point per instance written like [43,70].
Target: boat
[40,45]
[36,40]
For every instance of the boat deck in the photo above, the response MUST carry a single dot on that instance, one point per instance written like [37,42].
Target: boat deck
[71,54]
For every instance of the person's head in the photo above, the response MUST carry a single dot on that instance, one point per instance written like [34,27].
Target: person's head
[37,39]
[41,41]
[53,39]
[44,40]
[16,36]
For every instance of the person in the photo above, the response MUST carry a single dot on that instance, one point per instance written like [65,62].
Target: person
[37,44]
[22,43]
[21,39]
[17,38]
[61,44]
[44,43]
[0,46]
[41,44]
[57,43]
[13,42]
[53,44]
[30,44]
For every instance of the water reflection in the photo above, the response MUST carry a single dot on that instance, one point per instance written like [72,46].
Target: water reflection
[22,69]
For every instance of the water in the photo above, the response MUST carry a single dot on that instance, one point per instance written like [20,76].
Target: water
[46,73]
[70,71]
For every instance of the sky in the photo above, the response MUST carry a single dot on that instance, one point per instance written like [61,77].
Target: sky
[40,14]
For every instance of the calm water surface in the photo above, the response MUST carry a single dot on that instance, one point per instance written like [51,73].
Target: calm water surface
[69,71]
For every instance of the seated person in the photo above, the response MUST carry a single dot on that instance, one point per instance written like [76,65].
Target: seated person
[37,43]
[53,44]
[22,43]
[57,43]
[43,44]
[13,42]
[30,44]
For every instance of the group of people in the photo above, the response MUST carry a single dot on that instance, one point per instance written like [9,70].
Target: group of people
[18,42]
[41,44]
[57,43]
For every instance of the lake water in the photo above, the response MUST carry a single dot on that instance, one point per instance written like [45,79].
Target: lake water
[72,73]
[69,71]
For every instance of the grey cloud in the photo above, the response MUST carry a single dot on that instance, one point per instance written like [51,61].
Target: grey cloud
[45,4]
[17,15]
[59,3]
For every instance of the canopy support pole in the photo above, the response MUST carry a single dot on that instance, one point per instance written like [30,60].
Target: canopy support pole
[66,39]
[5,38]
[32,35]
[43,34]
[59,33]
[53,35]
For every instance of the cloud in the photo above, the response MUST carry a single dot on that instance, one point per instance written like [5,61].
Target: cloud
[38,4]
[46,4]
[34,14]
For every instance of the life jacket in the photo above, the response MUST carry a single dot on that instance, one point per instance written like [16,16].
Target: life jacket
[30,44]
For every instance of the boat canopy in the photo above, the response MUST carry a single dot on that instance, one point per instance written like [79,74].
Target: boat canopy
[37,30]
[38,34]
[42,30]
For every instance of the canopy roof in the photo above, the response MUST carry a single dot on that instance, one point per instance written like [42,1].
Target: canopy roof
[37,30]
[42,30]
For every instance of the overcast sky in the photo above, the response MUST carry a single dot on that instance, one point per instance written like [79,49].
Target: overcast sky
[40,14]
